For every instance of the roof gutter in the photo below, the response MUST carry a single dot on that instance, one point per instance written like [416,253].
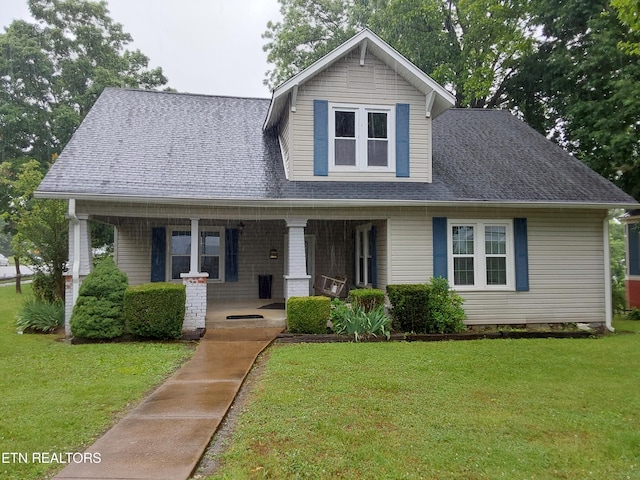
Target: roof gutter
[608,302]
[322,202]
[75,268]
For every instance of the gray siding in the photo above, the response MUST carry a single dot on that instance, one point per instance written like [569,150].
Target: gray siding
[133,251]
[375,84]
[566,264]
[566,258]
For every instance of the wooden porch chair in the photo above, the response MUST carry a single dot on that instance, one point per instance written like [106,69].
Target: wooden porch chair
[330,287]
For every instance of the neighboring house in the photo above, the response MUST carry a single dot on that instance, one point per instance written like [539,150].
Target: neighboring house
[631,219]
[357,166]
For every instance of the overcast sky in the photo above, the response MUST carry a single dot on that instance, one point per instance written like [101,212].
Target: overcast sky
[203,46]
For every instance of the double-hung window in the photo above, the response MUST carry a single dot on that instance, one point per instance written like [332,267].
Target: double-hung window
[361,138]
[481,254]
[210,252]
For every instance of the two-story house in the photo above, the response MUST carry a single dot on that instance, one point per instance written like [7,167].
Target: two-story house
[358,166]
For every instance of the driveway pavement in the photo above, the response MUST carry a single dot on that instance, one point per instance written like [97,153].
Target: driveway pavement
[165,436]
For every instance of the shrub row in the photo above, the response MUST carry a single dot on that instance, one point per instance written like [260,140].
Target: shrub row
[427,308]
[107,308]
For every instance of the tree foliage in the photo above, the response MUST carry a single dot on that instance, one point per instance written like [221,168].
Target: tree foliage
[629,14]
[583,89]
[40,228]
[471,46]
[52,71]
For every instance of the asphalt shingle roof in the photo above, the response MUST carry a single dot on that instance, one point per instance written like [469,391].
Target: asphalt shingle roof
[159,144]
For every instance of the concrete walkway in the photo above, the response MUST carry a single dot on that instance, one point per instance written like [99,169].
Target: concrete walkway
[165,436]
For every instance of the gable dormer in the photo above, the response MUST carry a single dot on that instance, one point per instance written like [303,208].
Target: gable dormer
[361,113]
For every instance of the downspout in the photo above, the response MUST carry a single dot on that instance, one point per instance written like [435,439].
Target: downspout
[75,266]
[608,309]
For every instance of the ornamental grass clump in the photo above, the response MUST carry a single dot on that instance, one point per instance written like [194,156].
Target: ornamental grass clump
[99,310]
[37,315]
[355,320]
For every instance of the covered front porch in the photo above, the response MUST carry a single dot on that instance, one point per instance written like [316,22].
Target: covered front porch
[224,260]
[245,314]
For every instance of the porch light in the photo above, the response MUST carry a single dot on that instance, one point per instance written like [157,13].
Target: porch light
[273,254]
[240,227]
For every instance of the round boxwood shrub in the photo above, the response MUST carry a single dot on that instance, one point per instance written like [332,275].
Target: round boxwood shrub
[155,310]
[308,314]
[99,310]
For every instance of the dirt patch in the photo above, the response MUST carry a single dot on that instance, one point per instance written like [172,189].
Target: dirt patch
[210,460]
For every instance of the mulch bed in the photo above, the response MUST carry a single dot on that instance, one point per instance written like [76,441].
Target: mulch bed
[330,338]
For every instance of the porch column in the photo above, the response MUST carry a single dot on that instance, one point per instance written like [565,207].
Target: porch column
[196,288]
[195,240]
[80,260]
[296,279]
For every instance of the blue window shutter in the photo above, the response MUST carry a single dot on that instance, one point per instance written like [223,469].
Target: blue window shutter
[402,140]
[521,251]
[321,138]
[158,254]
[231,255]
[440,260]
[633,236]
[373,251]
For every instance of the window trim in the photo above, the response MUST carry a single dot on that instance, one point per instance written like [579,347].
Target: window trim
[201,228]
[362,137]
[480,256]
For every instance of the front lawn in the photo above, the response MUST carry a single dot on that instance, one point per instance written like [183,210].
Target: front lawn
[486,409]
[59,398]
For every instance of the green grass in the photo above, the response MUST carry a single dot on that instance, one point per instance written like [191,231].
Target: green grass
[57,397]
[487,409]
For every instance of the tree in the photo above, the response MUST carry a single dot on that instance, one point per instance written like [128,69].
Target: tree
[40,228]
[584,90]
[471,46]
[51,73]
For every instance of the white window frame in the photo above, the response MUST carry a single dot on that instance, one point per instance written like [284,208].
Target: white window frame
[201,228]
[361,137]
[364,253]
[479,255]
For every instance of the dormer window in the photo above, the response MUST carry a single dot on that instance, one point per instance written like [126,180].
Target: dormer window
[361,138]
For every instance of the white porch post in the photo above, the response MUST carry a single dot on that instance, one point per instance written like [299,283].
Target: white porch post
[296,279]
[80,260]
[196,288]
[195,238]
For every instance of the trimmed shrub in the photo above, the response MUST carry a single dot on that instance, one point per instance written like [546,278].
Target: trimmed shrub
[446,314]
[99,310]
[427,308]
[367,298]
[155,310]
[37,315]
[410,309]
[308,314]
